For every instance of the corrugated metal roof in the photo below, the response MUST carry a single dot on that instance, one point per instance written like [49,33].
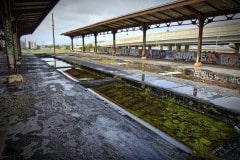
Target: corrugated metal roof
[30,13]
[174,12]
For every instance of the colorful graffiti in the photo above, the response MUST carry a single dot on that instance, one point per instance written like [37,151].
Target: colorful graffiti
[229,59]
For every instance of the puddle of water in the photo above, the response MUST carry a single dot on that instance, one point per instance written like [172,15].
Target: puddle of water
[164,83]
[58,64]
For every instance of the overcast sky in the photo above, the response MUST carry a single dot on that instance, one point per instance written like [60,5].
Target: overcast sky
[73,14]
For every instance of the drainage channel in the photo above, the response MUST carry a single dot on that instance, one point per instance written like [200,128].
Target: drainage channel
[201,106]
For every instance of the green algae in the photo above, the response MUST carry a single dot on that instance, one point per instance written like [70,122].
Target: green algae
[84,75]
[189,127]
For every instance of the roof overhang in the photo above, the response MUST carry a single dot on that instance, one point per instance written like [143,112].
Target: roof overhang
[30,13]
[180,10]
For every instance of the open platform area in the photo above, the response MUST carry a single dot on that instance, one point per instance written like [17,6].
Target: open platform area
[49,116]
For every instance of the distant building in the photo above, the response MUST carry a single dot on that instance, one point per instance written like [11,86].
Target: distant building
[28,44]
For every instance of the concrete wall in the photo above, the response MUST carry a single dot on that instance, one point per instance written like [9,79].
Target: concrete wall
[206,57]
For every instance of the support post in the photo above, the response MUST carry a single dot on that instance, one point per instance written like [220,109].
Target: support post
[178,49]
[9,45]
[19,48]
[186,49]
[114,41]
[237,48]
[71,43]
[53,35]
[201,20]
[170,47]
[83,45]
[144,29]
[161,47]
[95,40]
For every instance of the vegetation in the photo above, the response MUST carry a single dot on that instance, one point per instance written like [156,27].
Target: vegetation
[197,131]
[83,75]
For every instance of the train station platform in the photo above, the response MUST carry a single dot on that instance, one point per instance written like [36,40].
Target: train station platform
[49,116]
[227,98]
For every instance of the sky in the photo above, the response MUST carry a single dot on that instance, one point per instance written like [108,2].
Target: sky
[73,14]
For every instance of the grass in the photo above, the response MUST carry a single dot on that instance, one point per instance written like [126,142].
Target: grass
[187,126]
[41,51]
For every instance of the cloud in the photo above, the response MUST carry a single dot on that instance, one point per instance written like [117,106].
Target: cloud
[73,14]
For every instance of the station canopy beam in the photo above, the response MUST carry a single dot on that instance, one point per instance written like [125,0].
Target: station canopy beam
[178,11]
[173,12]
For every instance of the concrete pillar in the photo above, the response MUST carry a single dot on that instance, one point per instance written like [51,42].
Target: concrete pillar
[161,47]
[149,47]
[144,29]
[83,45]
[9,45]
[201,20]
[186,49]
[136,47]
[71,43]
[114,41]
[169,47]
[95,40]
[178,48]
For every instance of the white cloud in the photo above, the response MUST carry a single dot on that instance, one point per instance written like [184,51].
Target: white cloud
[73,14]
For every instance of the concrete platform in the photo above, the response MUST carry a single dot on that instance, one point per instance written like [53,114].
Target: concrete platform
[49,116]
[225,98]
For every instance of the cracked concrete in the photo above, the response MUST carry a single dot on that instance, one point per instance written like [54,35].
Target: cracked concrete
[49,116]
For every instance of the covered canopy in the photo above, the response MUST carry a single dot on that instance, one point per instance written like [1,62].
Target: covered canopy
[178,11]
[30,13]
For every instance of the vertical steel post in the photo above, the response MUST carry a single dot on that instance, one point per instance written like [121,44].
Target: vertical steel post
[53,35]
[114,41]
[144,29]
[71,43]
[83,45]
[201,20]
[95,38]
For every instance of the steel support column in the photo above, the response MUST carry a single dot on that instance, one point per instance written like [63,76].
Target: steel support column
[144,29]
[201,20]
[186,49]
[237,48]
[15,44]
[83,45]
[71,43]
[170,47]
[178,48]
[9,45]
[95,42]
[19,48]
[114,41]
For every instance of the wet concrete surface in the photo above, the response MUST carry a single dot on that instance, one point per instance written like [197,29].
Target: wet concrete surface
[49,116]
[213,94]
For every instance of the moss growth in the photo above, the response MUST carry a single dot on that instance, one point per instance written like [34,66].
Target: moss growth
[185,125]
[83,75]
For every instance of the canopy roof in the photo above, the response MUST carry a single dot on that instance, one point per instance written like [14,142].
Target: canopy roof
[177,11]
[30,13]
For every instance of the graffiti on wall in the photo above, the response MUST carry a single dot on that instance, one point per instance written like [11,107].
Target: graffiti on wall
[229,59]
[209,75]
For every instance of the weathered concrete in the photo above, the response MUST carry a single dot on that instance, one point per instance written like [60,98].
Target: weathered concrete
[222,97]
[49,116]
